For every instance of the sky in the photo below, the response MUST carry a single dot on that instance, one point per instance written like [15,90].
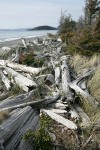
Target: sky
[32,13]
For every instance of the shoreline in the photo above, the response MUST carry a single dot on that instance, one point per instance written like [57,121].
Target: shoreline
[17,41]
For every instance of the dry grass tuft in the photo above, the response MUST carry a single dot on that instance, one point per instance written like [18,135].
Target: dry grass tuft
[94,84]
[82,63]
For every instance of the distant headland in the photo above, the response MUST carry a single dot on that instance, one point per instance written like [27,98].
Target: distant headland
[45,27]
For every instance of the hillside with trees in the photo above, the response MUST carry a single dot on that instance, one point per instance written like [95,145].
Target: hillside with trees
[45,27]
[83,36]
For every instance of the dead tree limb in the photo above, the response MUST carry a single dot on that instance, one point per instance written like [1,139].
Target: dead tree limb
[36,104]
[6,81]
[78,90]
[23,82]
[69,124]
[66,79]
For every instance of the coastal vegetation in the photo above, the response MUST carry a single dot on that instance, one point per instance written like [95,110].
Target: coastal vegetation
[82,36]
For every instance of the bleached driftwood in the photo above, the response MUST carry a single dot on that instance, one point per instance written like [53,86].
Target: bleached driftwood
[28,144]
[36,104]
[29,123]
[58,111]
[24,68]
[69,124]
[23,82]
[58,105]
[16,58]
[17,100]
[24,42]
[66,79]
[6,81]
[57,75]
[84,117]
[11,125]
[79,90]
[56,70]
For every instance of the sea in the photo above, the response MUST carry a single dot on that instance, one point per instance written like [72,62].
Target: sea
[13,34]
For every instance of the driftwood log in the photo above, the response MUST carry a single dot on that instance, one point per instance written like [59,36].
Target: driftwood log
[38,104]
[69,124]
[23,82]
[75,85]
[66,79]
[29,123]
[6,81]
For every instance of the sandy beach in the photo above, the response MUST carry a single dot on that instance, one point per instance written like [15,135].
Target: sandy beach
[5,45]
[17,42]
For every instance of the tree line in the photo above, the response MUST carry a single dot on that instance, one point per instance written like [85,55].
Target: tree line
[82,36]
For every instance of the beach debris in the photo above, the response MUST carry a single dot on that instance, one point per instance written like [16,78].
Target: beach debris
[48,88]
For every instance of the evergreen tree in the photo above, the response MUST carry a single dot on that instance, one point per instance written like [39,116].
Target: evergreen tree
[92,7]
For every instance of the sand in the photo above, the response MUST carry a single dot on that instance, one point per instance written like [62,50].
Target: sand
[17,42]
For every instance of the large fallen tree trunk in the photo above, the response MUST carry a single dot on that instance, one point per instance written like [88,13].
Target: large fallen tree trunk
[66,79]
[27,144]
[56,70]
[69,124]
[23,82]
[39,104]
[29,123]
[22,98]
[21,67]
[11,125]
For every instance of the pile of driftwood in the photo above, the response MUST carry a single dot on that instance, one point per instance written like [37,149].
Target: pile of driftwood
[59,104]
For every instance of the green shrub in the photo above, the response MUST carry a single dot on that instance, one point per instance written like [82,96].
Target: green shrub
[41,138]
[30,60]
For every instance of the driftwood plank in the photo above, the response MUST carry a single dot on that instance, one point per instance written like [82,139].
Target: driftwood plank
[22,98]
[78,90]
[66,79]
[11,125]
[29,123]
[38,104]
[69,124]
[6,81]
[23,82]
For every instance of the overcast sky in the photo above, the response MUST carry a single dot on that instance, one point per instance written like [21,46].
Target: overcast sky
[31,13]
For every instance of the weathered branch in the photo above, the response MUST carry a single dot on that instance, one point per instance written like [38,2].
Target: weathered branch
[66,79]
[69,124]
[35,104]
[6,81]
[84,94]
[23,82]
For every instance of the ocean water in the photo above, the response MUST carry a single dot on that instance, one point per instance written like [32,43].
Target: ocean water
[9,35]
